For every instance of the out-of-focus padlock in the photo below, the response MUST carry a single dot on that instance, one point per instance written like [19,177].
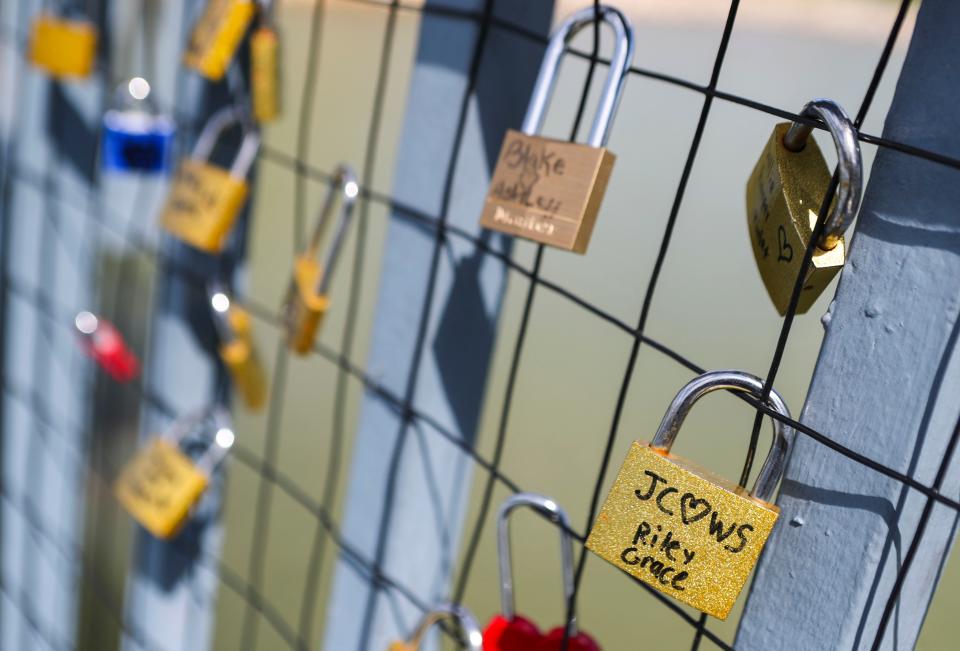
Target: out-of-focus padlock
[681,529]
[104,343]
[205,199]
[550,191]
[161,484]
[509,631]
[473,639]
[136,137]
[784,194]
[64,47]
[237,348]
[265,66]
[308,297]
[217,35]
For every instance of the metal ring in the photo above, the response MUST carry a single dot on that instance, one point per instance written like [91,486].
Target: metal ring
[468,624]
[700,386]
[850,187]
[218,447]
[214,128]
[346,180]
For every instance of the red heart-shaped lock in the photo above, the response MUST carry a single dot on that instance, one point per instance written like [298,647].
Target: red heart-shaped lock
[553,641]
[517,634]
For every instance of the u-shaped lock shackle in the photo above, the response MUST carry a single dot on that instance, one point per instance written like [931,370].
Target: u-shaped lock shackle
[444,611]
[613,86]
[772,469]
[220,303]
[850,164]
[214,128]
[553,512]
[345,179]
[222,440]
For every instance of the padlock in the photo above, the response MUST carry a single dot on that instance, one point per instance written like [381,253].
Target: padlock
[161,484]
[265,67]
[681,529]
[104,343]
[64,47]
[509,631]
[217,35]
[136,137]
[550,191]
[309,294]
[237,349]
[784,194]
[205,199]
[473,639]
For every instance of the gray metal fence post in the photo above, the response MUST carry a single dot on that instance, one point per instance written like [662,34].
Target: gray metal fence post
[885,385]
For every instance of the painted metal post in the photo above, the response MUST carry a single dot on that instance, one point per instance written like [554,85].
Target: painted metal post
[885,385]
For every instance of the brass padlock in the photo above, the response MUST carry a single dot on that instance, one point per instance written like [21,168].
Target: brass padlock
[217,35]
[681,529]
[784,194]
[473,639]
[550,191]
[265,67]
[161,484]
[237,348]
[63,47]
[205,199]
[309,294]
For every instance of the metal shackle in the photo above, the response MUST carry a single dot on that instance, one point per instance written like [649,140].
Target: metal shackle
[220,303]
[468,624]
[850,163]
[700,386]
[214,128]
[344,180]
[612,87]
[133,94]
[217,448]
[555,513]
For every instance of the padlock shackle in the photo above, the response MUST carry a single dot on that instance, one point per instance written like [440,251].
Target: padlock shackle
[700,386]
[220,304]
[444,611]
[222,440]
[850,165]
[214,128]
[344,180]
[612,87]
[553,512]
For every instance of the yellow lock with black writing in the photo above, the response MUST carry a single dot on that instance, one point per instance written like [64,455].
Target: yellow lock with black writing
[550,191]
[205,199]
[681,529]
[63,47]
[784,196]
[308,296]
[161,484]
[217,35]
[265,67]
[473,638]
[237,349]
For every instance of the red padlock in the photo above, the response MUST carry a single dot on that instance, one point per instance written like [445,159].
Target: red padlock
[104,343]
[553,641]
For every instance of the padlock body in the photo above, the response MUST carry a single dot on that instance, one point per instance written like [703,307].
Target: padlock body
[553,641]
[514,634]
[137,142]
[402,646]
[242,361]
[217,35]
[203,205]
[265,74]
[681,530]
[108,348]
[548,191]
[784,194]
[64,48]
[159,486]
[304,308]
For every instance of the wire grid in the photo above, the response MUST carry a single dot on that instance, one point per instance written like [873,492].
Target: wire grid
[272,477]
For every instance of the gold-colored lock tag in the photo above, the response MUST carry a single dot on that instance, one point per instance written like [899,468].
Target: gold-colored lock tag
[203,204]
[159,486]
[548,191]
[401,646]
[682,530]
[64,48]
[242,361]
[784,194]
[304,308]
[217,35]
[265,74]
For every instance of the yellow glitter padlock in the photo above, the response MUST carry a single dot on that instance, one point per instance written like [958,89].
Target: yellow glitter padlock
[205,199]
[308,296]
[237,348]
[473,638]
[681,529]
[161,484]
[64,48]
[265,71]
[217,35]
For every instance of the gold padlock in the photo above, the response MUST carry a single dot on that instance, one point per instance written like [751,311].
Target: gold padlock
[161,484]
[217,35]
[784,194]
[681,529]
[63,47]
[265,67]
[308,296]
[550,191]
[204,199]
[237,349]
[473,638]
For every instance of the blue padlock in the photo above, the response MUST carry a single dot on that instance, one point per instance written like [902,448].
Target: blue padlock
[136,138]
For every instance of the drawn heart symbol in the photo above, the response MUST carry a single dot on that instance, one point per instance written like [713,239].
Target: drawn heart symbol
[553,641]
[517,634]
[785,247]
[688,501]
